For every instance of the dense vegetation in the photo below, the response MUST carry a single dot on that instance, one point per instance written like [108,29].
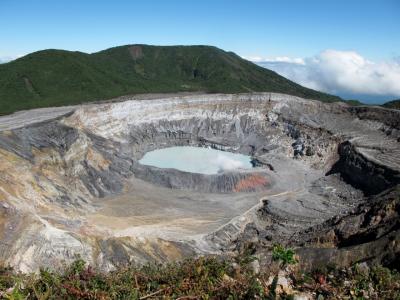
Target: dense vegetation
[392,104]
[57,77]
[204,278]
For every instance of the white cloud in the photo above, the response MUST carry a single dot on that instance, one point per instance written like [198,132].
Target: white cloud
[336,71]
[285,59]
[255,59]
[8,58]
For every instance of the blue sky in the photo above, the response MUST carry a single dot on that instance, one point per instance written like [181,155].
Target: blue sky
[264,31]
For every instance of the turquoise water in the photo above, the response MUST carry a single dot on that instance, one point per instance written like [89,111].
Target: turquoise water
[196,160]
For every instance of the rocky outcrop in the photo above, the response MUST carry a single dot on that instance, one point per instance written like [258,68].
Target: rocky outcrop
[370,233]
[366,175]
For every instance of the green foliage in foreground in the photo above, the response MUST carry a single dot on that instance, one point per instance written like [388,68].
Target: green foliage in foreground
[201,278]
[205,278]
[57,77]
[283,255]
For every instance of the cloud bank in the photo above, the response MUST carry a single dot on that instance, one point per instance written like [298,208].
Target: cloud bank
[5,59]
[339,72]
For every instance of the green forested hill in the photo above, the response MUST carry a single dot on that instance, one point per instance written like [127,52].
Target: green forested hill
[392,104]
[57,77]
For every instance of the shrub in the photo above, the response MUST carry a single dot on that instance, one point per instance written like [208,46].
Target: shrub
[285,256]
[209,277]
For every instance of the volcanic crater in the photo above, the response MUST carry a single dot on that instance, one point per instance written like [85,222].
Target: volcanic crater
[71,182]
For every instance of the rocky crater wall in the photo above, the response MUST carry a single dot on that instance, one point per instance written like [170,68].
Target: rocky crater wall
[363,174]
[61,180]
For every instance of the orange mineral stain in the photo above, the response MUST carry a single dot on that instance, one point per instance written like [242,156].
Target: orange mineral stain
[250,183]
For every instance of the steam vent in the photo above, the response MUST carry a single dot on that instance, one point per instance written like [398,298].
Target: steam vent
[321,178]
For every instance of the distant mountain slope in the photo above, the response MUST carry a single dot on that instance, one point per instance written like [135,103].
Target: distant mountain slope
[392,104]
[57,77]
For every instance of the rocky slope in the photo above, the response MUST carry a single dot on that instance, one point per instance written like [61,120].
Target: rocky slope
[70,181]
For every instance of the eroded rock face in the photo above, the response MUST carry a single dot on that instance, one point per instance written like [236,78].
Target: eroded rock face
[369,233]
[72,184]
[372,178]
